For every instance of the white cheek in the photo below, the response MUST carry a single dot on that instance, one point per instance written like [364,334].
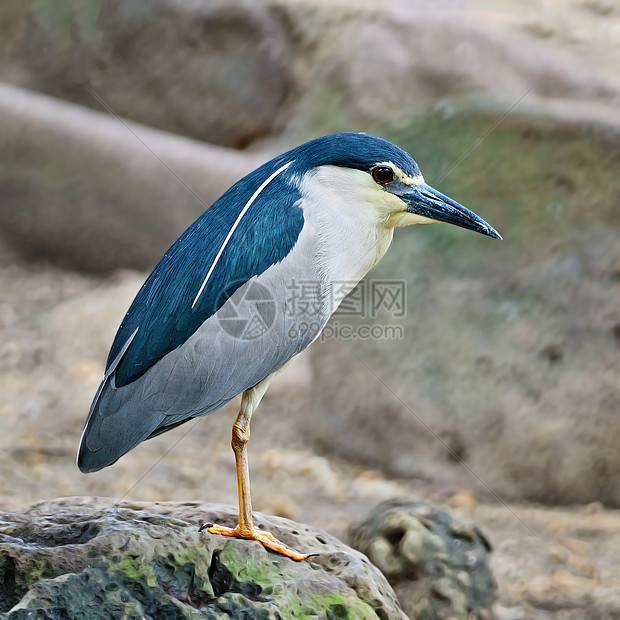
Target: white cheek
[348,193]
[349,212]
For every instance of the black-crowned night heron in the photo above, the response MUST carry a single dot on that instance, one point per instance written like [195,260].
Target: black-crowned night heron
[215,317]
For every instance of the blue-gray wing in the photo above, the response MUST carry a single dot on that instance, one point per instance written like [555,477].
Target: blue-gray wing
[259,325]
[166,309]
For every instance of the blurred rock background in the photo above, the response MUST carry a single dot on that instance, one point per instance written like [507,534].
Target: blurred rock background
[121,121]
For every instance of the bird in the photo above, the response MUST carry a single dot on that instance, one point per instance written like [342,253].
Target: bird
[217,316]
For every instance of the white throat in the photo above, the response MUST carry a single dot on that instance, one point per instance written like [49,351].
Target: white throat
[340,204]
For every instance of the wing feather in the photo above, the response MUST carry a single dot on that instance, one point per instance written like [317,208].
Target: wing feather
[164,309]
[171,360]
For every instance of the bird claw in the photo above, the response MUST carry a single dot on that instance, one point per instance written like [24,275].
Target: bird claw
[268,540]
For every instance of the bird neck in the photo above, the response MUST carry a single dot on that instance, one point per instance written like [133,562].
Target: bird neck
[350,236]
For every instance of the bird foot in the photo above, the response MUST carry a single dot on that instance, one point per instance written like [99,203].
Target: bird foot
[265,538]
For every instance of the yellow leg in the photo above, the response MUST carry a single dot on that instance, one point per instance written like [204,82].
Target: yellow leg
[240,438]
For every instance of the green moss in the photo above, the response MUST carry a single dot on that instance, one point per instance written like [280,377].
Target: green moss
[36,573]
[263,570]
[330,606]
[136,569]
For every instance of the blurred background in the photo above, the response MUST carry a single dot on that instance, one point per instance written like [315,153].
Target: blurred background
[122,120]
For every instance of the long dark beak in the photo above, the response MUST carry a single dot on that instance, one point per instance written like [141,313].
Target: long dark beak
[428,202]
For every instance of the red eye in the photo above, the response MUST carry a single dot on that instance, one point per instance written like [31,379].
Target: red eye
[382,174]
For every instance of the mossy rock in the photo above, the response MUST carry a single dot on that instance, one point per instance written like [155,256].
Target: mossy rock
[91,559]
[438,566]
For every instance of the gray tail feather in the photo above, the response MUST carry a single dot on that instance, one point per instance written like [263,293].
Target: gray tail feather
[117,422]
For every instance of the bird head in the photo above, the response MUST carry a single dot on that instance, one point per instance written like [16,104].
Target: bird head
[381,180]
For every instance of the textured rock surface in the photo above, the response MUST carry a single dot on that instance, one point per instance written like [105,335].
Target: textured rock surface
[85,559]
[93,192]
[439,567]
[211,69]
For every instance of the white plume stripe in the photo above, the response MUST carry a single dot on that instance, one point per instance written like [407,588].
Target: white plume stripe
[248,204]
